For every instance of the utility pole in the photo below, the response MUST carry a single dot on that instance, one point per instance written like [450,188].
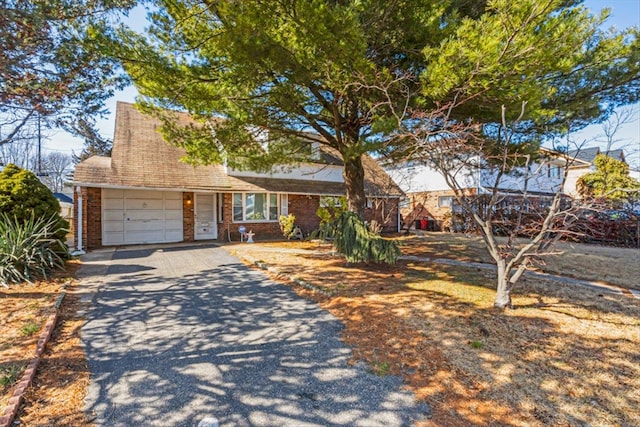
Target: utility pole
[39,148]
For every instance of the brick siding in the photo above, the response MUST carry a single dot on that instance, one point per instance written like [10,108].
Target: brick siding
[303,207]
[188,217]
[385,212]
[426,205]
[91,218]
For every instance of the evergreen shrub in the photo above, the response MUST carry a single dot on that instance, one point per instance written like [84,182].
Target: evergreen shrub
[353,239]
[23,196]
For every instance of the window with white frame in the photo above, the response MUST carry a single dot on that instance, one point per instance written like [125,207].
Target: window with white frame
[255,207]
[445,201]
[332,201]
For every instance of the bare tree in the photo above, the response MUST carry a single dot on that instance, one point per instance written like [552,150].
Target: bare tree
[507,172]
[56,166]
[22,151]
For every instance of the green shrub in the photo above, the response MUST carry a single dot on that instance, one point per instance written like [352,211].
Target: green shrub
[287,223]
[328,212]
[29,249]
[23,196]
[353,240]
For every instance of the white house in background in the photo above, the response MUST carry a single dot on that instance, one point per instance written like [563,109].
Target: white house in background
[430,199]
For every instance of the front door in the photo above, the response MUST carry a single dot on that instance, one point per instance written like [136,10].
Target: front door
[205,217]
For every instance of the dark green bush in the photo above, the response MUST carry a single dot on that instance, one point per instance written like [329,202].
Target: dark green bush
[29,249]
[23,196]
[353,240]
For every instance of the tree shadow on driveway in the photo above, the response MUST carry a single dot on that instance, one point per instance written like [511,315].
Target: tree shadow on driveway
[174,336]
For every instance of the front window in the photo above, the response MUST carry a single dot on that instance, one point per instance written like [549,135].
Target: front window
[331,201]
[445,201]
[237,207]
[255,207]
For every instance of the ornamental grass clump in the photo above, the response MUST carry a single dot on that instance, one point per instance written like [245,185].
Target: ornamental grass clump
[29,249]
[353,239]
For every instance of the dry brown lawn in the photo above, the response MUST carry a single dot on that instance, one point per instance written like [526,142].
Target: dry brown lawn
[564,356]
[24,311]
[617,266]
[56,396]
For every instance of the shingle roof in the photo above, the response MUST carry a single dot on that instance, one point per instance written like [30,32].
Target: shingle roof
[142,159]
[589,154]
[63,198]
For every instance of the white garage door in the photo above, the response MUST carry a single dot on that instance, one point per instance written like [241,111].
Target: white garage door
[141,216]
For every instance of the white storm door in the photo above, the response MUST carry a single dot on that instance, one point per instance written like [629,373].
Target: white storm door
[205,217]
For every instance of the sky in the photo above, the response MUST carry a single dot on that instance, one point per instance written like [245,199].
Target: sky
[624,14]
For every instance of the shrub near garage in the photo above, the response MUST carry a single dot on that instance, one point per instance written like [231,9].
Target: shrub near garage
[32,232]
[23,195]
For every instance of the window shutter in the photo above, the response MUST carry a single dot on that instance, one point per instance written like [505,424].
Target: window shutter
[284,204]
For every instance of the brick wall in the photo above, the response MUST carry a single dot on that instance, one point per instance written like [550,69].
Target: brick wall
[188,217]
[426,205]
[93,203]
[384,211]
[91,218]
[304,208]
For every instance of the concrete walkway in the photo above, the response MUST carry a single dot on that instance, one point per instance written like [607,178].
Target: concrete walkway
[178,334]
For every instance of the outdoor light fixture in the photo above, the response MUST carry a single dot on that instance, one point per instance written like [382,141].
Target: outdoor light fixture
[188,199]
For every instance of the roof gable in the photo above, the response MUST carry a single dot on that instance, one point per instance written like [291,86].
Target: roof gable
[589,154]
[142,159]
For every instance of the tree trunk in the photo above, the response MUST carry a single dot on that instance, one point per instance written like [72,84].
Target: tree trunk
[354,181]
[503,292]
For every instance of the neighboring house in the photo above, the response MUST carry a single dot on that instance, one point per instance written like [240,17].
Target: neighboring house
[66,205]
[583,164]
[143,193]
[430,199]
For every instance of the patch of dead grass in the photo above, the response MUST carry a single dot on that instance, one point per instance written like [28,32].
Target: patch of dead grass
[617,266]
[56,397]
[24,311]
[31,304]
[564,356]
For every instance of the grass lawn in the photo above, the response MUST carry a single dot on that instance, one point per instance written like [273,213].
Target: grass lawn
[564,356]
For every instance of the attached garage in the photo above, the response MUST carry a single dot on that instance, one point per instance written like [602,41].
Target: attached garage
[141,216]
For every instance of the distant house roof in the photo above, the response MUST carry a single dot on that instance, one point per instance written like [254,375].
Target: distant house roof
[63,198]
[142,159]
[589,154]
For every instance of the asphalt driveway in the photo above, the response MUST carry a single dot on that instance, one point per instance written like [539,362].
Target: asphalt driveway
[175,335]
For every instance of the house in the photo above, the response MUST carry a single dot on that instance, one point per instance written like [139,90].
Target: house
[583,163]
[66,205]
[430,202]
[144,193]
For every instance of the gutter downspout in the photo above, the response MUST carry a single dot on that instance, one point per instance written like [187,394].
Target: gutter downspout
[399,226]
[79,220]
